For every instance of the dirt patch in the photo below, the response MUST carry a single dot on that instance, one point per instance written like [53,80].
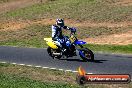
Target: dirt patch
[5,7]
[103,24]
[117,39]
[120,39]
[15,25]
[12,26]
[124,2]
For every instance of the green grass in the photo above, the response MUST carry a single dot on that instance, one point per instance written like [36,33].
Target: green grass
[15,76]
[92,10]
[111,48]
[86,10]
[33,35]
[29,37]
[40,74]
[10,81]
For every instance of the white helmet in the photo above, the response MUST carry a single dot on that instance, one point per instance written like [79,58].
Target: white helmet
[60,22]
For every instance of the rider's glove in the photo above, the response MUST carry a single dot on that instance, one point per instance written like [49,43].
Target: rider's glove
[65,27]
[73,30]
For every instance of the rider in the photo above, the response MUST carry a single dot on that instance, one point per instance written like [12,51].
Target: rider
[57,35]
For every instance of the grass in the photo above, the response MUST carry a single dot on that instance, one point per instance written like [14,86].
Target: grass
[92,10]
[44,75]
[29,37]
[9,81]
[93,32]
[15,76]
[33,35]
[86,10]
[111,48]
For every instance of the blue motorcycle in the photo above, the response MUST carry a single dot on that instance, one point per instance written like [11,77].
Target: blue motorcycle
[70,47]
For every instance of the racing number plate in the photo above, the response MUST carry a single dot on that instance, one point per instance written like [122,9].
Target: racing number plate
[72,39]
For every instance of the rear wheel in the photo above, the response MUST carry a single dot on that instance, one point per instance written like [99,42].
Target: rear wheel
[51,51]
[87,54]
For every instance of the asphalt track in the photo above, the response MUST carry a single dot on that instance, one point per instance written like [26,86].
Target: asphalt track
[103,64]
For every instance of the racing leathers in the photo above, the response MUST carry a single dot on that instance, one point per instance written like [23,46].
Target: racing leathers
[57,35]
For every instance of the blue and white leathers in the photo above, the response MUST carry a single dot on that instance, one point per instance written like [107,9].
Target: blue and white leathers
[56,31]
[57,35]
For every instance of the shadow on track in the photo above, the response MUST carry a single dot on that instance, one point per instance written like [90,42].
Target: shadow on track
[120,56]
[79,60]
[98,61]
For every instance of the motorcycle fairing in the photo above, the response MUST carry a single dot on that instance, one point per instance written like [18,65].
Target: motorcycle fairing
[51,43]
[79,42]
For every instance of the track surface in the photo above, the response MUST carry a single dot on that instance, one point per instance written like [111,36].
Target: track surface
[104,63]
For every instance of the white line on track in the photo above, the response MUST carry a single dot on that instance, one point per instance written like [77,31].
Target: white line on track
[52,68]
[68,70]
[21,64]
[29,65]
[14,63]
[38,66]
[45,67]
[60,69]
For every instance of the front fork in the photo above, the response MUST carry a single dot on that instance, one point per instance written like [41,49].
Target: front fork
[80,52]
[78,48]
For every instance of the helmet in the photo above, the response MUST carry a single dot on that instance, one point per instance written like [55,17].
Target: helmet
[60,22]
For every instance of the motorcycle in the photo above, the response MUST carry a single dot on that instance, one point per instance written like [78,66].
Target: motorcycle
[70,47]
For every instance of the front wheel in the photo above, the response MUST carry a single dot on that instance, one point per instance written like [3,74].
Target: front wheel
[86,54]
